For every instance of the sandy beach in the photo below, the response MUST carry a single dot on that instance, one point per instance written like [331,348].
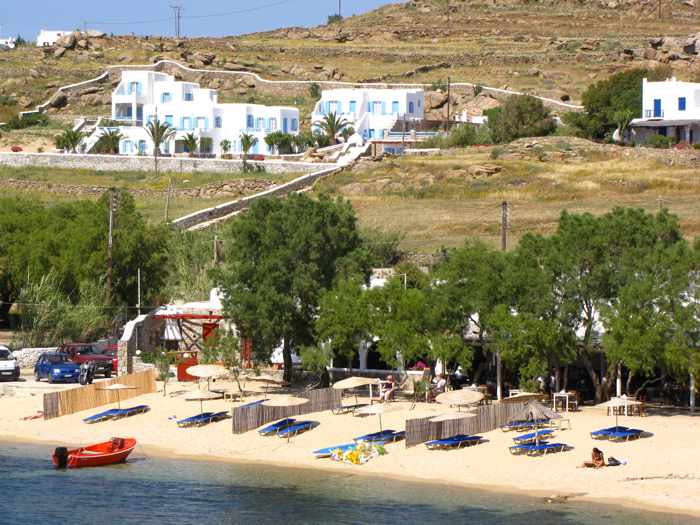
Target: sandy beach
[662,472]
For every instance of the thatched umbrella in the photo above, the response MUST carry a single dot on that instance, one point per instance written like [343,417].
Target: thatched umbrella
[452,416]
[263,378]
[619,402]
[534,410]
[118,387]
[201,396]
[353,383]
[522,396]
[285,401]
[460,398]
[376,410]
[207,372]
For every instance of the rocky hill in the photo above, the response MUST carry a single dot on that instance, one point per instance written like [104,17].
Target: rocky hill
[550,47]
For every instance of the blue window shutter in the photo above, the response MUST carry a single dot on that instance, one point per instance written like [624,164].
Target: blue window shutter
[369,107]
[182,122]
[353,106]
[395,106]
[383,108]
[206,122]
[339,107]
[681,104]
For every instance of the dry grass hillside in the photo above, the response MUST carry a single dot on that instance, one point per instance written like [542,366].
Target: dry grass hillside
[438,201]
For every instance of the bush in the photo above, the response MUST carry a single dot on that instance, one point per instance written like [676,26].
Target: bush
[659,141]
[27,121]
[497,152]
[520,116]
[459,137]
[6,100]
[334,19]
[314,90]
[438,85]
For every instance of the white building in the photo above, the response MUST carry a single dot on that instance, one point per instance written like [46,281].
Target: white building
[669,108]
[371,112]
[48,38]
[9,43]
[143,96]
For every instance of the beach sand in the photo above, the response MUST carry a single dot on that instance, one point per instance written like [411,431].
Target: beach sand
[662,472]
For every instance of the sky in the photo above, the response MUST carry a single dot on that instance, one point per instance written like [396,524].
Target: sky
[154,17]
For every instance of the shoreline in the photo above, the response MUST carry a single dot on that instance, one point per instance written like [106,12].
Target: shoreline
[555,499]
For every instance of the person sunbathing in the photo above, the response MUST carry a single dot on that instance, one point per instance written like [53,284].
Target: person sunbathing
[597,460]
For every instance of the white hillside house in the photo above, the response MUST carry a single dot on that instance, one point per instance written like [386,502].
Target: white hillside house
[670,108]
[143,96]
[48,38]
[371,112]
[8,43]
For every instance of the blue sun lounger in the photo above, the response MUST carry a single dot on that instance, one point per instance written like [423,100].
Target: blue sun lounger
[252,404]
[603,433]
[456,441]
[625,435]
[380,437]
[328,451]
[195,420]
[532,437]
[132,411]
[275,427]
[102,416]
[529,424]
[537,450]
[296,428]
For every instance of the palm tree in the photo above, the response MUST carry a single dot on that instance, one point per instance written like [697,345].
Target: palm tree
[160,133]
[347,132]
[623,118]
[109,141]
[225,146]
[248,142]
[332,124]
[191,143]
[69,140]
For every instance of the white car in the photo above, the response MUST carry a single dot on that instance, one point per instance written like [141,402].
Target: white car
[9,367]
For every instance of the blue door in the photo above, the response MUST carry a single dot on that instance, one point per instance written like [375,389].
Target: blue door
[284,125]
[657,108]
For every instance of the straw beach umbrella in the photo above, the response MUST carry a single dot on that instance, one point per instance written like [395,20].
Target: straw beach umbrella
[263,378]
[207,372]
[617,403]
[202,396]
[285,401]
[118,387]
[460,398]
[354,382]
[522,396]
[452,416]
[533,410]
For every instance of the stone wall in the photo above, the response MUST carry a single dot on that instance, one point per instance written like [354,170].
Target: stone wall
[202,217]
[127,163]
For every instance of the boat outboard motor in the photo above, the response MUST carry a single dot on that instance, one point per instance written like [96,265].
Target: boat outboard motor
[61,454]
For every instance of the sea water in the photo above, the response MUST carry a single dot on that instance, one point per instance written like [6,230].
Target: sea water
[172,491]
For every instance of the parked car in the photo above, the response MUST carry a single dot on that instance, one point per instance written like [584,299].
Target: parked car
[82,352]
[9,367]
[55,367]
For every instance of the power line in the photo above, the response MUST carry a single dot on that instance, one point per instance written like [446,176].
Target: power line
[241,11]
[177,17]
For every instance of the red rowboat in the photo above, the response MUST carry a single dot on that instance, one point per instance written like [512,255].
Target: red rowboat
[116,450]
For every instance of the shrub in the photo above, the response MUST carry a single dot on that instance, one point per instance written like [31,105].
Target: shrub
[334,19]
[438,85]
[497,152]
[27,121]
[314,90]
[659,141]
[520,116]
[6,100]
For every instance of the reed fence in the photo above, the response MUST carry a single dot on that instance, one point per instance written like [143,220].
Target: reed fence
[486,418]
[247,418]
[66,402]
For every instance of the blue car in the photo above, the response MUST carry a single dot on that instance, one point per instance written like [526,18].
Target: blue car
[56,367]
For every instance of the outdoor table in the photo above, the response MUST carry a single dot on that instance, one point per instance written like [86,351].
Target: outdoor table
[565,397]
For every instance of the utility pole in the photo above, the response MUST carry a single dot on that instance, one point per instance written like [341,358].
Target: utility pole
[216,249]
[177,18]
[339,12]
[449,96]
[167,197]
[504,247]
[138,290]
[109,246]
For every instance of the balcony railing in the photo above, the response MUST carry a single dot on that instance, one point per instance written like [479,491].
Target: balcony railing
[648,113]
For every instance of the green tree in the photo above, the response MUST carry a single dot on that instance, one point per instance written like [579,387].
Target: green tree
[69,140]
[303,141]
[314,90]
[248,142]
[332,125]
[279,141]
[191,143]
[282,255]
[160,133]
[108,142]
[225,146]
[520,116]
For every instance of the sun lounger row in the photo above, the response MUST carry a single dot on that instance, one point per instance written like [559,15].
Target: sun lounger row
[116,413]
[456,441]
[533,437]
[202,419]
[525,424]
[617,433]
[538,449]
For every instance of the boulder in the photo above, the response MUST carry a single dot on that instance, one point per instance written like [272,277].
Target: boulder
[650,53]
[59,101]
[68,41]
[95,33]
[436,99]
[59,52]
[82,44]
[204,59]
[484,170]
